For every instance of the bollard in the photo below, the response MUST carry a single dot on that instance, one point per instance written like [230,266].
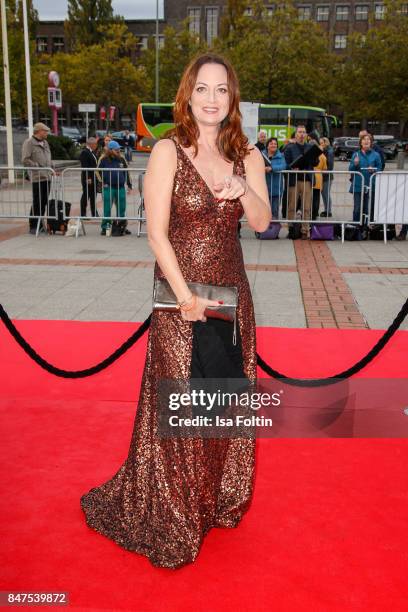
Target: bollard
[400,160]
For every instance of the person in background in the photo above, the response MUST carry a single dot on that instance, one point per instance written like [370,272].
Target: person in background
[103,144]
[300,183]
[36,153]
[327,177]
[286,143]
[275,163]
[261,142]
[375,147]
[317,181]
[88,159]
[113,174]
[129,143]
[365,161]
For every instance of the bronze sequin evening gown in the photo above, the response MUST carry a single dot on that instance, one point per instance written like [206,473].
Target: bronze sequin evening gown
[170,492]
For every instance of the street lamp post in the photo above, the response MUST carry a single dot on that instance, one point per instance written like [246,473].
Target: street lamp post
[28,70]
[7,96]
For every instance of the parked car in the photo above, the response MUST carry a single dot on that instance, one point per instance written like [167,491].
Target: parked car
[119,137]
[71,132]
[337,142]
[390,148]
[402,145]
[346,149]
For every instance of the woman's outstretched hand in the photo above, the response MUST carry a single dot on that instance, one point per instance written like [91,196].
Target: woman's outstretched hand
[231,188]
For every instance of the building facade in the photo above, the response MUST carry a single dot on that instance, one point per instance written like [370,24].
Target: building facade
[339,19]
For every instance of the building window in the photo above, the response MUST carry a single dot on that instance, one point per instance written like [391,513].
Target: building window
[248,12]
[361,12]
[194,15]
[57,44]
[404,9]
[304,12]
[342,13]
[211,24]
[142,42]
[270,10]
[322,13]
[340,41]
[42,44]
[379,11]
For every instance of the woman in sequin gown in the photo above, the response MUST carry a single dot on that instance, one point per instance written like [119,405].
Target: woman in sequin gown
[170,492]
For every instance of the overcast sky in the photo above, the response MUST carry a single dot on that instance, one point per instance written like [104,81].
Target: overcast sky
[130,9]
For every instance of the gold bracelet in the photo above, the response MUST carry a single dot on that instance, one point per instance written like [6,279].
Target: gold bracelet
[186,308]
[179,304]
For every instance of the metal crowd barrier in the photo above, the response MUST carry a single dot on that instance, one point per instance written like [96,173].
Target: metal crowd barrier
[297,203]
[300,202]
[113,193]
[25,193]
[389,198]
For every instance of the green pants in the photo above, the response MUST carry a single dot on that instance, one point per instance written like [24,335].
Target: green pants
[113,195]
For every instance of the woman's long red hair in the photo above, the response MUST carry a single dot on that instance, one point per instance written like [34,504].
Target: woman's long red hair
[231,140]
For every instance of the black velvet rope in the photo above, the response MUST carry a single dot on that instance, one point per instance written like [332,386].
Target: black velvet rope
[72,373]
[359,365]
[300,382]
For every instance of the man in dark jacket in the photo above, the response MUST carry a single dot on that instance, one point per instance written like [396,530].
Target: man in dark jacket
[128,143]
[88,159]
[300,185]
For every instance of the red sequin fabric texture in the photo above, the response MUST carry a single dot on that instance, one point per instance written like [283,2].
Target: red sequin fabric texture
[170,492]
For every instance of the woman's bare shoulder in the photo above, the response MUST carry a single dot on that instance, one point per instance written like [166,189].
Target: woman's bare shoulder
[164,153]
[165,146]
[254,159]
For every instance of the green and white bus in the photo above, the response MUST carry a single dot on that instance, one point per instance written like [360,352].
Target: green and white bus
[278,120]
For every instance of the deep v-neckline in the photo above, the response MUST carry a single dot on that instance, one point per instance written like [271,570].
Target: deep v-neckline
[198,173]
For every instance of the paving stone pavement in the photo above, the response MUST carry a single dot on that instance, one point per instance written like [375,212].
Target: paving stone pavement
[294,283]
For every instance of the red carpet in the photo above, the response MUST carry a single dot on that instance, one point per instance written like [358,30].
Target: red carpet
[327,529]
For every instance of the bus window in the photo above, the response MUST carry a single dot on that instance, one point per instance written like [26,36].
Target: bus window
[273,116]
[154,115]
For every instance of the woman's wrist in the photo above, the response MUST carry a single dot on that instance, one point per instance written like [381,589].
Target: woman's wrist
[188,304]
[185,301]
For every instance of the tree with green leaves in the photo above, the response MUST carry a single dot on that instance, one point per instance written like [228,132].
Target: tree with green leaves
[15,34]
[85,18]
[179,48]
[372,81]
[102,73]
[278,57]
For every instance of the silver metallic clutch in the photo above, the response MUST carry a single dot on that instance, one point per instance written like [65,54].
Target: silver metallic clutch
[164,299]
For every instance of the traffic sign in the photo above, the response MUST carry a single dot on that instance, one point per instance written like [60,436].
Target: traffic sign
[87,108]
